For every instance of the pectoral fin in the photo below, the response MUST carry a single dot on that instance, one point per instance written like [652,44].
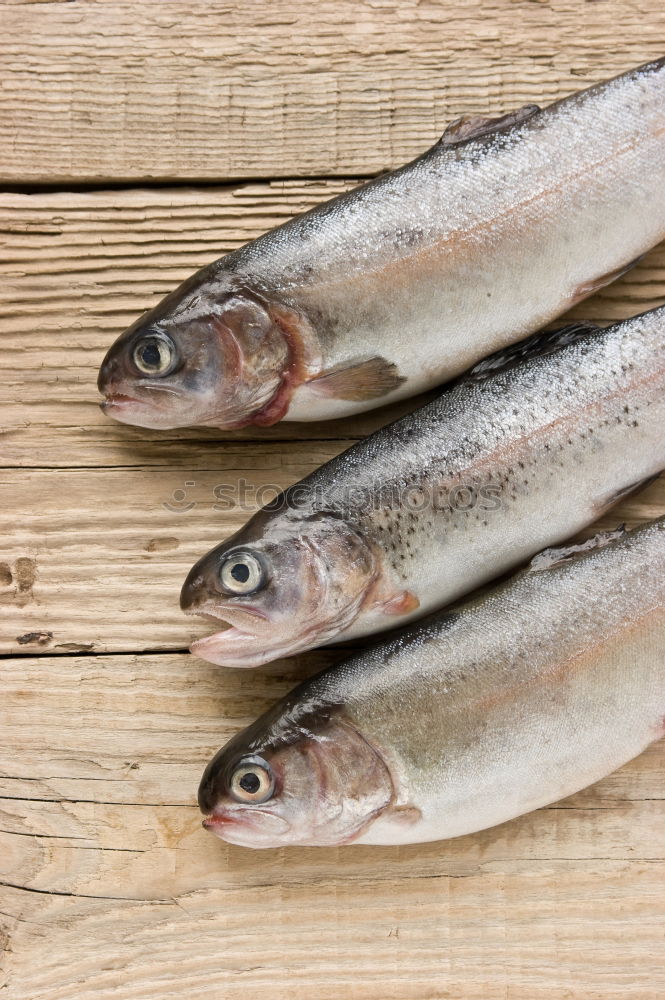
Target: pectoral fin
[364,380]
[406,814]
[470,127]
[402,603]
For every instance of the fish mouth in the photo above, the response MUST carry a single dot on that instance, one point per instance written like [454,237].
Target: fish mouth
[235,647]
[128,409]
[118,399]
[240,644]
[247,827]
[119,405]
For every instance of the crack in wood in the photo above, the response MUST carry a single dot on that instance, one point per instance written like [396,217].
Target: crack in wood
[84,895]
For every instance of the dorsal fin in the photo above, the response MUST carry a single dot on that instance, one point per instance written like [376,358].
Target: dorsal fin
[564,553]
[470,127]
[537,345]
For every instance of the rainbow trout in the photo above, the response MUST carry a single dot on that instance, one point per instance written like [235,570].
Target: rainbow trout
[529,448]
[524,695]
[405,282]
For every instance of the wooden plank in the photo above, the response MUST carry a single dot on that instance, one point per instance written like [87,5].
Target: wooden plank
[124,91]
[591,931]
[76,269]
[120,890]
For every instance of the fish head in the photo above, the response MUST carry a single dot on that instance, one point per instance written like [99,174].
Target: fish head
[283,585]
[314,781]
[212,353]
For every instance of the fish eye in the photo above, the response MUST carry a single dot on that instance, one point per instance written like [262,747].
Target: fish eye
[242,573]
[252,780]
[155,354]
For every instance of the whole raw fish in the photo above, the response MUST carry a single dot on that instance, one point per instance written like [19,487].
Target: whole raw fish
[509,460]
[521,697]
[408,280]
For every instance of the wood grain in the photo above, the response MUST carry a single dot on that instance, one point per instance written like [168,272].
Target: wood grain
[269,88]
[108,885]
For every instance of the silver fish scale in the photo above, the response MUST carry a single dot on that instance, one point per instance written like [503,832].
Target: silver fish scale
[534,622]
[404,283]
[438,193]
[515,431]
[522,696]
[428,247]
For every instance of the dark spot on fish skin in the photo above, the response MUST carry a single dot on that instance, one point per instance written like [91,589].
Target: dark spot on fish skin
[5,575]
[161,544]
[40,638]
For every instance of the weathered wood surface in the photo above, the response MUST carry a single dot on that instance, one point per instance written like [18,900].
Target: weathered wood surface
[92,91]
[121,893]
[108,885]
